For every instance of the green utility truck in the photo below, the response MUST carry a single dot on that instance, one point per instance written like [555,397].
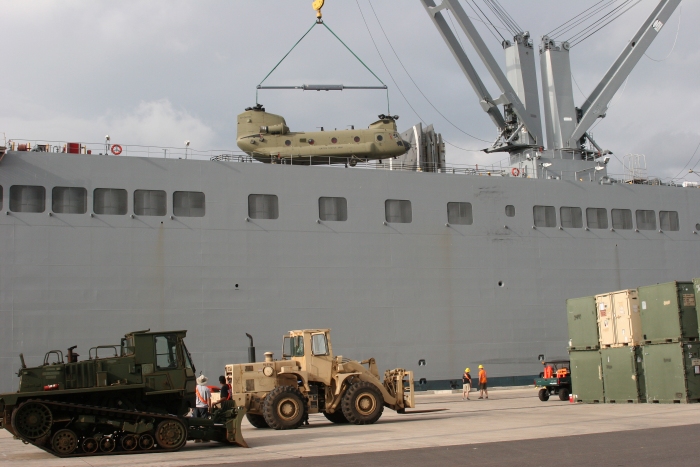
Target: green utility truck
[123,399]
[559,382]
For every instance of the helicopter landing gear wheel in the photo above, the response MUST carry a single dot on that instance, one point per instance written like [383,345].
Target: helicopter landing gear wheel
[64,442]
[32,420]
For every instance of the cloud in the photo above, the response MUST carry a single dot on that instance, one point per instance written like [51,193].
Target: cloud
[155,123]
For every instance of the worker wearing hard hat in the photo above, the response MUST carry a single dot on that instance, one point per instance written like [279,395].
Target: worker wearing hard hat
[483,383]
[466,384]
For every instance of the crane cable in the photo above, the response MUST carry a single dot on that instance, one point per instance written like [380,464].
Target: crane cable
[578,19]
[675,41]
[409,75]
[397,85]
[316,23]
[578,41]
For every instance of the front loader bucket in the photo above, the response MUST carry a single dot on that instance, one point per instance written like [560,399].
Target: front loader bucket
[233,429]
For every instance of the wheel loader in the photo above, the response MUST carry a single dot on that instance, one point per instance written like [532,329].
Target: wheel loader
[280,394]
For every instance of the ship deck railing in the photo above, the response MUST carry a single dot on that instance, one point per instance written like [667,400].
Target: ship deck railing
[109,148]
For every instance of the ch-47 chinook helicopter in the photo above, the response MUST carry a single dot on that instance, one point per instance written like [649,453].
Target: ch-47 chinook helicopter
[266,137]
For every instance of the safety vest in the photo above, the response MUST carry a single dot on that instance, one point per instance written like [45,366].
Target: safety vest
[196,391]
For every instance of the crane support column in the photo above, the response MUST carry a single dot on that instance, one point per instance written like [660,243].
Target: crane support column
[522,75]
[597,103]
[559,109]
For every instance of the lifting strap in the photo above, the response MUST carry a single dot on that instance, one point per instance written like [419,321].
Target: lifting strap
[339,40]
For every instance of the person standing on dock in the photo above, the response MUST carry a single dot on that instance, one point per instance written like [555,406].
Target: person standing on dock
[483,383]
[466,384]
[203,396]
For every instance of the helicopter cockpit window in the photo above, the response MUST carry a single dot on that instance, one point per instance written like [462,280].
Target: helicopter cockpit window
[293,346]
[166,352]
[357,139]
[288,143]
[334,140]
[319,344]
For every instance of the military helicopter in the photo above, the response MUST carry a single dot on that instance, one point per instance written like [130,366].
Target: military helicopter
[266,137]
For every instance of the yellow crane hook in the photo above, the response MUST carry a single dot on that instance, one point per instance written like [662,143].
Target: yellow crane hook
[317,5]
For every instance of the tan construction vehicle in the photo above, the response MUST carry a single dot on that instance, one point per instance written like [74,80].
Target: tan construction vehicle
[280,394]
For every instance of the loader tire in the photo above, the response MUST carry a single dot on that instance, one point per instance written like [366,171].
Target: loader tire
[284,408]
[258,421]
[544,395]
[362,403]
[336,417]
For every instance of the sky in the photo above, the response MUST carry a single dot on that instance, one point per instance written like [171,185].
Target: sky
[159,72]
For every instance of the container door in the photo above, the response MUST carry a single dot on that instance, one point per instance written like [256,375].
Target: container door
[623,317]
[660,312]
[583,323]
[620,375]
[696,289]
[689,316]
[586,376]
[692,365]
[664,370]
[606,320]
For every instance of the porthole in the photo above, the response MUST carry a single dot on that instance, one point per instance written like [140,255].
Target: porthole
[501,284]
[311,142]
[334,140]
[357,139]
[697,227]
[288,143]
[380,138]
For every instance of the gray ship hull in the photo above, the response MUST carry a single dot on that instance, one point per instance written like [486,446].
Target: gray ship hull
[492,292]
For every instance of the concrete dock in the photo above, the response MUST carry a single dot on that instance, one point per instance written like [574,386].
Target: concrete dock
[513,425]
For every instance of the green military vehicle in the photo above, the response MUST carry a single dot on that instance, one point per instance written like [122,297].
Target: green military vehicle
[556,379]
[123,399]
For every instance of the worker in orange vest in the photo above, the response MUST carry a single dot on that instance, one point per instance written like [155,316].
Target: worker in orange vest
[202,398]
[548,371]
[483,383]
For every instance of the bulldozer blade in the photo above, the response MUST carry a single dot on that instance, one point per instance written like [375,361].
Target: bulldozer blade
[412,412]
[233,429]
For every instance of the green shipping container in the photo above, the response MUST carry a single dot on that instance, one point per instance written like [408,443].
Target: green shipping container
[583,323]
[696,286]
[623,375]
[668,312]
[672,372]
[586,376]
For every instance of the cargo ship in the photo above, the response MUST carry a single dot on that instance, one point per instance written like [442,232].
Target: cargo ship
[414,262]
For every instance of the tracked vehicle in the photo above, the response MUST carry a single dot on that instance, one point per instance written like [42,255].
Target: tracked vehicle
[123,399]
[280,394]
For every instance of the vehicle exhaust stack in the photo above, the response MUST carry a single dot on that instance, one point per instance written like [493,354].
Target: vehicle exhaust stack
[251,349]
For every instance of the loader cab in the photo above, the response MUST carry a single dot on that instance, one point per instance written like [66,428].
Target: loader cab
[311,349]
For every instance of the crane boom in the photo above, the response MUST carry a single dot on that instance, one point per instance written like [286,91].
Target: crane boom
[529,119]
[597,103]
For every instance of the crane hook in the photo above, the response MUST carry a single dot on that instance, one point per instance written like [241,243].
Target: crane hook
[317,5]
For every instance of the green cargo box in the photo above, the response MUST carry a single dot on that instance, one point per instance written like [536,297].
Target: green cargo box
[672,372]
[696,287]
[586,376]
[668,312]
[583,323]
[623,375]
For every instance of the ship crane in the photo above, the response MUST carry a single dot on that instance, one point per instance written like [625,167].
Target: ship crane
[566,126]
